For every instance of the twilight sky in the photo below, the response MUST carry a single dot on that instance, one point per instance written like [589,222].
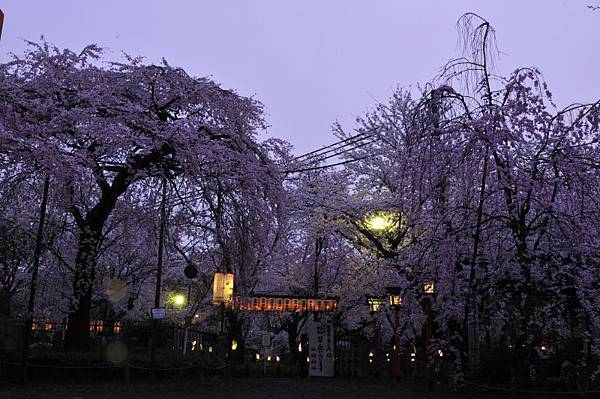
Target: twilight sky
[314,61]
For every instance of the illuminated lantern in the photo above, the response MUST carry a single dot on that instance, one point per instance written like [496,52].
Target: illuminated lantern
[374,304]
[233,345]
[218,288]
[312,304]
[395,300]
[228,289]
[279,304]
[118,327]
[263,303]
[223,288]
[429,287]
[34,326]
[302,307]
[287,305]
[255,304]
[295,305]
[48,326]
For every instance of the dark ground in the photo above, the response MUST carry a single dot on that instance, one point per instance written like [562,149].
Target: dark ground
[264,388]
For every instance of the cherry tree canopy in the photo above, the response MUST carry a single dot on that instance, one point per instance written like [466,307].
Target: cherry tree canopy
[99,127]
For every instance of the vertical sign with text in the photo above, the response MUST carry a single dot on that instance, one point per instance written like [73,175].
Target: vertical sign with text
[321,344]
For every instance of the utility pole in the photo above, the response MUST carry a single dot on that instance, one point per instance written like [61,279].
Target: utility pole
[161,241]
[34,268]
[318,249]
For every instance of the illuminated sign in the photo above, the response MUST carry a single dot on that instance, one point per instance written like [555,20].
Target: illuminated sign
[321,349]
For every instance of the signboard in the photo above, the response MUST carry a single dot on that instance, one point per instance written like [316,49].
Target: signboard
[321,349]
[158,313]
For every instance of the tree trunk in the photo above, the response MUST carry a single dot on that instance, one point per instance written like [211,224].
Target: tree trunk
[90,234]
[78,332]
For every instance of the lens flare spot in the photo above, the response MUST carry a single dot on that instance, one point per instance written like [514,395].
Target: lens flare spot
[116,289]
[116,352]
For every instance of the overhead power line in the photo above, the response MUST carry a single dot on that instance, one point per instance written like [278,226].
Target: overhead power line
[329,165]
[310,160]
[348,141]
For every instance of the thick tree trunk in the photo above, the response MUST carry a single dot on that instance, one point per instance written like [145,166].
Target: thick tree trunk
[83,282]
[90,234]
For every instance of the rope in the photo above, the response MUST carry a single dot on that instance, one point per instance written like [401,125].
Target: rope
[530,391]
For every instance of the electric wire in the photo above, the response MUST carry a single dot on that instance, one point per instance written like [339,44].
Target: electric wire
[317,154]
[345,151]
[329,166]
[357,141]
[332,154]
[331,145]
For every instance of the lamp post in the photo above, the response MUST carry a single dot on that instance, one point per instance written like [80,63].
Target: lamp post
[190,272]
[428,291]
[395,300]
[374,305]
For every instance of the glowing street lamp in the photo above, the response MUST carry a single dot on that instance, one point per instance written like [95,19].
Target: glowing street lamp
[179,300]
[380,222]
[395,300]
[429,287]
[176,300]
[374,303]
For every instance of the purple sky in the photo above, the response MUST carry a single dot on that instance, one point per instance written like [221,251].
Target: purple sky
[312,62]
